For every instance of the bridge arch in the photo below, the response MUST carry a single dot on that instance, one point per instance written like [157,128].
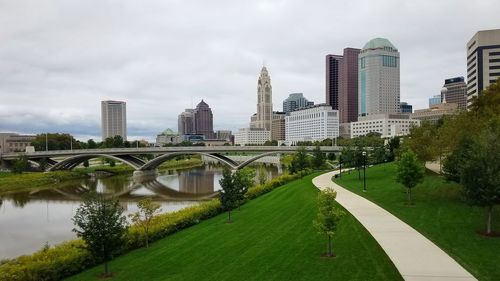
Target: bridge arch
[73,161]
[253,159]
[154,163]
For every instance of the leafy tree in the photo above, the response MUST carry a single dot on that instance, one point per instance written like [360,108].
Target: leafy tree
[243,179]
[392,146]
[480,174]
[144,216]
[271,143]
[91,144]
[101,224]
[118,141]
[423,140]
[328,216]
[55,142]
[456,161]
[318,160]
[299,161]
[20,165]
[229,195]
[86,163]
[410,172]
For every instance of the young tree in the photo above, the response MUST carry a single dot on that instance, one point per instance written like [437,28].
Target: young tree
[86,163]
[480,174]
[318,160]
[143,217]
[229,194]
[410,172]
[243,179]
[101,224]
[299,160]
[328,216]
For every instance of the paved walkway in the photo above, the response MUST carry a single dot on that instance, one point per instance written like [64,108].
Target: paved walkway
[416,258]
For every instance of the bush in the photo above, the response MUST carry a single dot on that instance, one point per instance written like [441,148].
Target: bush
[53,263]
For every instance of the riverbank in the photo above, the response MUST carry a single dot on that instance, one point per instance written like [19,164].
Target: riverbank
[439,213]
[271,238]
[38,180]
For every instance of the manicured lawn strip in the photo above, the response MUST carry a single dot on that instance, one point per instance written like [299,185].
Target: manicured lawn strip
[439,213]
[271,238]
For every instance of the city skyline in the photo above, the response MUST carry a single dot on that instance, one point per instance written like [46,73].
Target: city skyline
[57,67]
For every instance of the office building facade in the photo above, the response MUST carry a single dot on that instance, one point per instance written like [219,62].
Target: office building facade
[113,119]
[295,101]
[483,61]
[12,142]
[406,108]
[251,136]
[378,80]
[455,91]
[388,125]
[333,66]
[436,99]
[314,123]
[348,97]
[264,101]
[204,120]
[185,122]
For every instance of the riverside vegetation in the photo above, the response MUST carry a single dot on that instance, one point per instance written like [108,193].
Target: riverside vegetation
[30,180]
[55,263]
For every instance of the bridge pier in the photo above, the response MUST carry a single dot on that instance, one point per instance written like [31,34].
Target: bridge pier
[140,175]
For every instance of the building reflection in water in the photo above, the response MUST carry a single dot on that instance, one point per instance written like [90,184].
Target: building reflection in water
[196,181]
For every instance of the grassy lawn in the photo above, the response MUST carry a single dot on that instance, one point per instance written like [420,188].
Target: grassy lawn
[439,213]
[29,180]
[271,238]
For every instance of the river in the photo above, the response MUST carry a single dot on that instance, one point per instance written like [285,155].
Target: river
[30,220]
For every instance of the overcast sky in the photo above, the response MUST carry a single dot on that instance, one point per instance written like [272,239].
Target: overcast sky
[59,59]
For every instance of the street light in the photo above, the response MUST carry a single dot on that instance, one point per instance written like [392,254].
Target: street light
[340,165]
[364,171]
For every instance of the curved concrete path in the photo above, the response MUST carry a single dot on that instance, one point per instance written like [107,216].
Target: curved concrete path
[415,256]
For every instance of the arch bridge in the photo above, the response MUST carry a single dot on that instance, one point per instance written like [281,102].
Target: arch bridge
[129,156]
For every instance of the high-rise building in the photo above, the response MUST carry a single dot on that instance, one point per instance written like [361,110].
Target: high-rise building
[185,122]
[264,101]
[278,129]
[436,99]
[295,101]
[379,87]
[483,61]
[348,97]
[113,119]
[406,108]
[203,120]
[455,91]
[333,65]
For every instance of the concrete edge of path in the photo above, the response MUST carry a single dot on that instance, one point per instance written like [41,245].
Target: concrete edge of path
[415,257]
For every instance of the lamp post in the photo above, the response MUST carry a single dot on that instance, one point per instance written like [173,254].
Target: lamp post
[340,165]
[364,171]
[46,141]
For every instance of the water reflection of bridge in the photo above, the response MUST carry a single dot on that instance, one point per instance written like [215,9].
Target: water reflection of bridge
[131,192]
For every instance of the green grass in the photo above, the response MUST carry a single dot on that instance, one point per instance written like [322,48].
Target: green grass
[439,213]
[271,238]
[30,180]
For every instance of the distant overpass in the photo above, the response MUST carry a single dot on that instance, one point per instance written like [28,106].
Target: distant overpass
[128,156]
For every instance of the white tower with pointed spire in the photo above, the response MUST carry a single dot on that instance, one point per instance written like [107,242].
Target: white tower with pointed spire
[264,101]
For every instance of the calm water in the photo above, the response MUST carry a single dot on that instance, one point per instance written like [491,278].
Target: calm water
[29,220]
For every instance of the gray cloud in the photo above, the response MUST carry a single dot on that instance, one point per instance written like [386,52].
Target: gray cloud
[59,59]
